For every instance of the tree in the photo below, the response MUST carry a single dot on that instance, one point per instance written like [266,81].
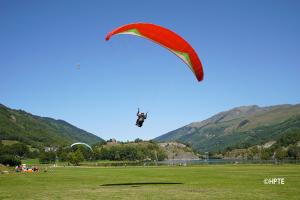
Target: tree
[86,152]
[75,157]
[137,140]
[161,155]
[33,154]
[266,154]
[9,160]
[19,149]
[63,156]
[1,148]
[253,153]
[294,152]
[280,154]
[47,157]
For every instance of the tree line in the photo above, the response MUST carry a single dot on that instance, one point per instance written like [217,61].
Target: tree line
[137,150]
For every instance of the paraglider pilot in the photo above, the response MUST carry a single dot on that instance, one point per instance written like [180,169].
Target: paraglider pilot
[141,118]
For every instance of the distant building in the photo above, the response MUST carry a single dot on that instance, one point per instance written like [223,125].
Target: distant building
[112,141]
[47,149]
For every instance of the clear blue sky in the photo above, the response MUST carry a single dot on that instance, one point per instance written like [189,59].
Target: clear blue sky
[250,51]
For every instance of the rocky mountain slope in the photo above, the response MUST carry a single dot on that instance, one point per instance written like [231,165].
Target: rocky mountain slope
[241,126]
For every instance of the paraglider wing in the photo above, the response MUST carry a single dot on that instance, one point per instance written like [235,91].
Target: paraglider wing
[81,143]
[167,39]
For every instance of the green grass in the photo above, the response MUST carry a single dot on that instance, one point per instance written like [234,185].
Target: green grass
[29,162]
[9,142]
[196,182]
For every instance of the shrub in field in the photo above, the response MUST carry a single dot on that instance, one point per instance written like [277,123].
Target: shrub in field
[75,157]
[9,160]
[294,152]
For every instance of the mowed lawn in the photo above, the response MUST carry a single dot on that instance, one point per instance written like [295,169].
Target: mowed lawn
[195,182]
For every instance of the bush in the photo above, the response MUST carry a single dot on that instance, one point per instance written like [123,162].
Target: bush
[10,160]
[19,149]
[75,157]
[266,154]
[281,154]
[294,152]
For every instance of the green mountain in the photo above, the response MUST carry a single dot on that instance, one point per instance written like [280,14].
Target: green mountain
[239,127]
[40,131]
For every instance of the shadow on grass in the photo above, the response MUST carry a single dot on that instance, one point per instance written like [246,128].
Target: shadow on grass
[141,183]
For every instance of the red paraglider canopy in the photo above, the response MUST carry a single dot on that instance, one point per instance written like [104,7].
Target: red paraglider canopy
[167,39]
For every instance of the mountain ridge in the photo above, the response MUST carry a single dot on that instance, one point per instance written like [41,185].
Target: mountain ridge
[236,125]
[40,131]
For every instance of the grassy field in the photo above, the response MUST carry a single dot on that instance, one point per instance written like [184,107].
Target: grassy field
[196,182]
[9,142]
